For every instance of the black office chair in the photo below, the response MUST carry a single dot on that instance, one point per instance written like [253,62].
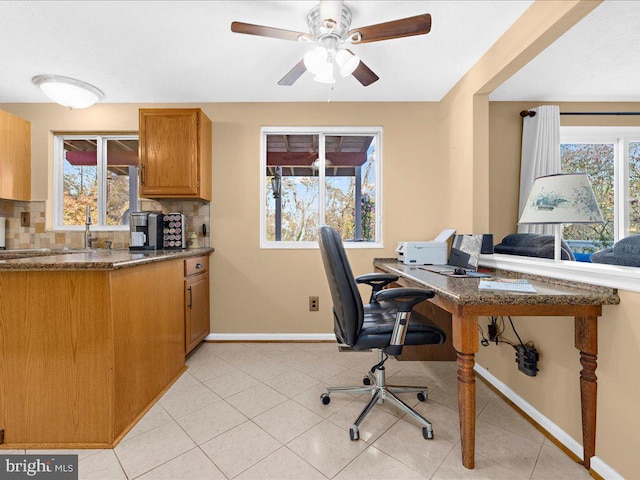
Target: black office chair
[384,326]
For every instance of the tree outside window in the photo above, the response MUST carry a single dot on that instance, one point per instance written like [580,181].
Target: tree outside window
[610,156]
[321,177]
[100,171]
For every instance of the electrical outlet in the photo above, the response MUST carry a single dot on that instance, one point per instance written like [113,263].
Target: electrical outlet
[314,304]
[25,219]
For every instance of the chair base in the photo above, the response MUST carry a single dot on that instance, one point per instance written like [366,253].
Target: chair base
[376,386]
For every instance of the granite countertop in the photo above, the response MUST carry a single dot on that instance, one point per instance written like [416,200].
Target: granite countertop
[89,259]
[464,290]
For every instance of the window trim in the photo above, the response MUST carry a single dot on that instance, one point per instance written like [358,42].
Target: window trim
[58,193]
[601,274]
[321,131]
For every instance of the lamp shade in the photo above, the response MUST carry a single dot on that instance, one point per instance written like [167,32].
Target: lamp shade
[562,198]
[326,75]
[68,92]
[316,60]
[347,62]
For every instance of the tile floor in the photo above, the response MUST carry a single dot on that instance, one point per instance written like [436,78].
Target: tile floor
[253,411]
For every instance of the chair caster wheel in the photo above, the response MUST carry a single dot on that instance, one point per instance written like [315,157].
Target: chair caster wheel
[326,399]
[422,396]
[427,434]
[353,433]
[366,381]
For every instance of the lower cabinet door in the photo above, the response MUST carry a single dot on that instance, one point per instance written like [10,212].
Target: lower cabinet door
[196,310]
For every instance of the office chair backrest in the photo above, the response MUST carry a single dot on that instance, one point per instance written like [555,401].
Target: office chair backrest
[348,312]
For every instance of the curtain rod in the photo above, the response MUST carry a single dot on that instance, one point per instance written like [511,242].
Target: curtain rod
[529,113]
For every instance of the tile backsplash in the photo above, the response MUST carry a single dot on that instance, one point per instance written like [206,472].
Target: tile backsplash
[196,212]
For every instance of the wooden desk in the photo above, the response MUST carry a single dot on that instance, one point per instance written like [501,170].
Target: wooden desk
[461,298]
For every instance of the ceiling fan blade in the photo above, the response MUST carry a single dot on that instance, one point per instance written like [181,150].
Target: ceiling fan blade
[293,74]
[364,74]
[262,31]
[405,27]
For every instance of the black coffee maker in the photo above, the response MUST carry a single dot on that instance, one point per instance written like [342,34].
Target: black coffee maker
[146,230]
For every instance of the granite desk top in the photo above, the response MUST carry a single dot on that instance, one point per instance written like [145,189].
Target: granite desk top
[464,290]
[89,259]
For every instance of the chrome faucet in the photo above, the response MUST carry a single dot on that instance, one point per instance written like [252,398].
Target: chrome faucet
[88,239]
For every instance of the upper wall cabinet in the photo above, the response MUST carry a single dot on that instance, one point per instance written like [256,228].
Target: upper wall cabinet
[15,157]
[175,153]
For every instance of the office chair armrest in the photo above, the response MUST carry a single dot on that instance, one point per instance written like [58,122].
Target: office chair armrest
[404,298]
[377,278]
[377,281]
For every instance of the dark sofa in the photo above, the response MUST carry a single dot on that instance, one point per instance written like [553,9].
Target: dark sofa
[625,252]
[532,245]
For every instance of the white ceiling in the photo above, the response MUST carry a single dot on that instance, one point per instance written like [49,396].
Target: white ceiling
[597,60]
[184,51]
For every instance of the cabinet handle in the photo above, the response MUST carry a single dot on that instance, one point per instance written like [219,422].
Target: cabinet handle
[142,174]
[190,298]
[198,266]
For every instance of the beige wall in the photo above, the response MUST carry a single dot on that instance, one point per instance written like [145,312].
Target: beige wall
[464,111]
[266,291]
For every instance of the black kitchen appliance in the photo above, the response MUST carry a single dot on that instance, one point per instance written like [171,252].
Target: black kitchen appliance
[146,230]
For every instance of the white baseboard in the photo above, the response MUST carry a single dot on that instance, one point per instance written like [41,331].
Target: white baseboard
[270,337]
[604,470]
[597,465]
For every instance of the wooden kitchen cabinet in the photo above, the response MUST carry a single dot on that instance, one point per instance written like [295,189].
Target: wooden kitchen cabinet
[175,153]
[196,301]
[15,157]
[85,353]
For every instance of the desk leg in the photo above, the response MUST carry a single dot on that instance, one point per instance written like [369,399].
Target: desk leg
[586,331]
[465,342]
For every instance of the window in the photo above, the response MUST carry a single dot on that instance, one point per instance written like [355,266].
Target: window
[96,170]
[610,156]
[320,176]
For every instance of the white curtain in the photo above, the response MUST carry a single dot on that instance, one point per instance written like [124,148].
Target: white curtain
[540,155]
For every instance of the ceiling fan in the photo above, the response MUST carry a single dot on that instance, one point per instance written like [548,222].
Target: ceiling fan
[329,26]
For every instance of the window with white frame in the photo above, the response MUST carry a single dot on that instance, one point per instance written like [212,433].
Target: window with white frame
[96,170]
[320,176]
[610,156]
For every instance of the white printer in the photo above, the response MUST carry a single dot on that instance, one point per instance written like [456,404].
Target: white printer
[433,252]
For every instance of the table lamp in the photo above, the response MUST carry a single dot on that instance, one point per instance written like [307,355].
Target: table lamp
[558,199]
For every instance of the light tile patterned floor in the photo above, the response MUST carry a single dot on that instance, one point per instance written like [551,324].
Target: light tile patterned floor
[253,411]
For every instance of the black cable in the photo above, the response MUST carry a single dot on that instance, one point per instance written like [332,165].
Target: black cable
[501,331]
[514,331]
[508,343]
[485,341]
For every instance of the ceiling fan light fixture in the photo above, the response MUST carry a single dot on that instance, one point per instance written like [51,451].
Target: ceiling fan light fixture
[315,60]
[326,75]
[331,12]
[347,62]
[68,92]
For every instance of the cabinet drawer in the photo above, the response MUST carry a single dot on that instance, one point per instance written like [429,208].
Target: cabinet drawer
[196,265]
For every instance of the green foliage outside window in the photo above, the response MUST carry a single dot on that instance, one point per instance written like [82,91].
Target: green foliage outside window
[597,161]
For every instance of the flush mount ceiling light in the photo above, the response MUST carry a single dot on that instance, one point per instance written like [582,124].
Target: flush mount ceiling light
[68,92]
